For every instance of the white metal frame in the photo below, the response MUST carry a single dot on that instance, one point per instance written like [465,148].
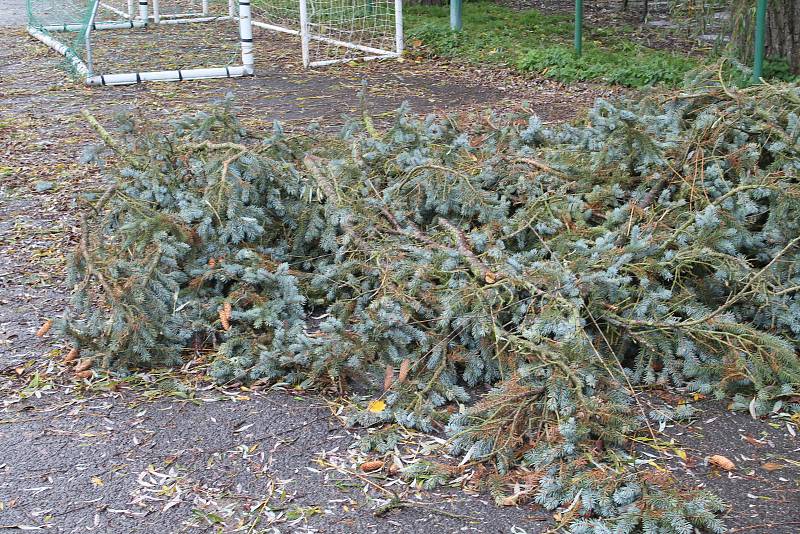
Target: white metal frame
[247,68]
[307,35]
[86,69]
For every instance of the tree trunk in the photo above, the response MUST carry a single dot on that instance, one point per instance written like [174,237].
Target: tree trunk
[783,30]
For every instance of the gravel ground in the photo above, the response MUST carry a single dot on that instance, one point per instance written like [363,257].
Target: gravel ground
[169,452]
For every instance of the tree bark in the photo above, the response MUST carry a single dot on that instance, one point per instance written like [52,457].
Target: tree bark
[782,35]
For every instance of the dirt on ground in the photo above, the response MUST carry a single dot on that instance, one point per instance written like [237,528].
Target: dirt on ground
[169,451]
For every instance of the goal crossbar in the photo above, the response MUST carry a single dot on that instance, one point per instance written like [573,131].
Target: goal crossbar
[314,37]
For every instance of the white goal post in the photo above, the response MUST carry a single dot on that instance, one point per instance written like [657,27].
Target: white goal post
[329,31]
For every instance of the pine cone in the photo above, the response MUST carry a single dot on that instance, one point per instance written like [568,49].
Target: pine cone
[225,315]
[84,365]
[405,366]
[45,328]
[388,378]
[72,355]
[374,465]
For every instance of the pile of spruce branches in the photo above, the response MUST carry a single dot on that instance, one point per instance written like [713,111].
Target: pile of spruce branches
[513,282]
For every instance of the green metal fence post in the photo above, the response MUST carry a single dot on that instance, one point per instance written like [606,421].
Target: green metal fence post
[578,27]
[455,15]
[758,56]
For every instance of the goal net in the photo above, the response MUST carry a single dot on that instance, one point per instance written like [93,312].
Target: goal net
[336,31]
[116,42]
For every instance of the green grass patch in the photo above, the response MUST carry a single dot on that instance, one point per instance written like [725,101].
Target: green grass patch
[636,67]
[535,42]
[778,69]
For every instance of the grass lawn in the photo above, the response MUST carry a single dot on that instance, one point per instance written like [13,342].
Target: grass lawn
[539,43]
[535,42]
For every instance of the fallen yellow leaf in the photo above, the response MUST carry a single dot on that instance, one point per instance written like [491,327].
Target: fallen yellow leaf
[376,406]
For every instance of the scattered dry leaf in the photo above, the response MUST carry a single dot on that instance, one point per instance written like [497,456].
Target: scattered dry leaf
[722,462]
[490,277]
[753,441]
[772,466]
[512,500]
[83,374]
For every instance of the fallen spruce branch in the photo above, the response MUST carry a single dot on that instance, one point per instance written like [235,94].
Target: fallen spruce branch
[524,281]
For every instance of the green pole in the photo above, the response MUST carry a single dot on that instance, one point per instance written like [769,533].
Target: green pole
[455,16]
[578,27]
[758,57]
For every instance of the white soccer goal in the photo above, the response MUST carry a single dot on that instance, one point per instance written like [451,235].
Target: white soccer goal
[328,31]
[74,27]
[336,31]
